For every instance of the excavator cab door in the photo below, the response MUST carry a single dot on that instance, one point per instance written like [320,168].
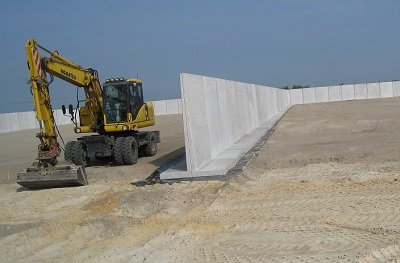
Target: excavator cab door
[135,99]
[116,102]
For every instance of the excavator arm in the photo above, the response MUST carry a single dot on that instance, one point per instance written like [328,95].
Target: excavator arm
[90,115]
[46,173]
[48,150]
[56,65]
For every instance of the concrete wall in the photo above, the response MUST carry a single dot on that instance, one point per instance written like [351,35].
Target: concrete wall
[219,114]
[345,92]
[223,119]
[165,107]
[16,121]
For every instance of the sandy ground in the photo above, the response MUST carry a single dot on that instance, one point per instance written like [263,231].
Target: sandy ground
[324,188]
[18,151]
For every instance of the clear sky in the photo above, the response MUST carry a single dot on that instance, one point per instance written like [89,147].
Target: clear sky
[276,43]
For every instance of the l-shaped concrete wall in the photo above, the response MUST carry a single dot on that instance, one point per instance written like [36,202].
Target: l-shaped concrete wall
[345,92]
[166,107]
[223,119]
[217,113]
[16,121]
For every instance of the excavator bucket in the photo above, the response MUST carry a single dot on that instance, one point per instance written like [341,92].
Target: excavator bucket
[37,177]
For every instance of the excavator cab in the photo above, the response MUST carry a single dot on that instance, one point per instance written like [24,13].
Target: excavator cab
[122,100]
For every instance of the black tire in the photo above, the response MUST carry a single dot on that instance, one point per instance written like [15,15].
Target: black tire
[150,149]
[68,150]
[130,150]
[79,156]
[119,142]
[102,158]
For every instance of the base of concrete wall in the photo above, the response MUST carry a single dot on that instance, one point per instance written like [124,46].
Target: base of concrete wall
[227,159]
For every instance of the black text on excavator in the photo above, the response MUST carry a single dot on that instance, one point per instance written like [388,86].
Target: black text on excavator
[115,111]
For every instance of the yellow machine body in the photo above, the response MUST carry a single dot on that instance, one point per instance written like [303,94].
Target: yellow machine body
[115,111]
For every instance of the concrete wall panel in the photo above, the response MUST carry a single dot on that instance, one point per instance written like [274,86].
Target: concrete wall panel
[238,112]
[322,94]
[3,122]
[221,113]
[172,106]
[26,120]
[58,117]
[396,88]
[386,89]
[360,91]
[160,107]
[275,99]
[335,93]
[234,94]
[282,99]
[286,96]
[226,104]
[179,105]
[61,119]
[253,106]
[9,122]
[195,121]
[271,103]
[373,90]
[163,107]
[296,96]
[262,106]
[309,95]
[347,92]
[213,115]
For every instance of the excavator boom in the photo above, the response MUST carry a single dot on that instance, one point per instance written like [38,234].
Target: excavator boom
[46,173]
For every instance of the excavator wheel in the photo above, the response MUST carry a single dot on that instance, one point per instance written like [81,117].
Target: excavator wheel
[119,142]
[79,155]
[150,149]
[130,150]
[68,150]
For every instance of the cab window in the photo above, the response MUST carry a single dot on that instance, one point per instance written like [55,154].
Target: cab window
[136,98]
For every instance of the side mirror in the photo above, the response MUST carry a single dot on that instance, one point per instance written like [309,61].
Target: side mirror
[64,111]
[71,109]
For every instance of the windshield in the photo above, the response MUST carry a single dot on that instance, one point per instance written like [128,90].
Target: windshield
[115,102]
[116,91]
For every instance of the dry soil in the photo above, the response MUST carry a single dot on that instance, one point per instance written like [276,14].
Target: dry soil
[324,188]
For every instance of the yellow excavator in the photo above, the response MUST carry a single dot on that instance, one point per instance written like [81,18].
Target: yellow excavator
[114,111]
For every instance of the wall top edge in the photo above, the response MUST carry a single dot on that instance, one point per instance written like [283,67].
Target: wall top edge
[351,84]
[15,112]
[217,78]
[337,85]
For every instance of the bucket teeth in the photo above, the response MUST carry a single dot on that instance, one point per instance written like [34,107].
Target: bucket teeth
[36,177]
